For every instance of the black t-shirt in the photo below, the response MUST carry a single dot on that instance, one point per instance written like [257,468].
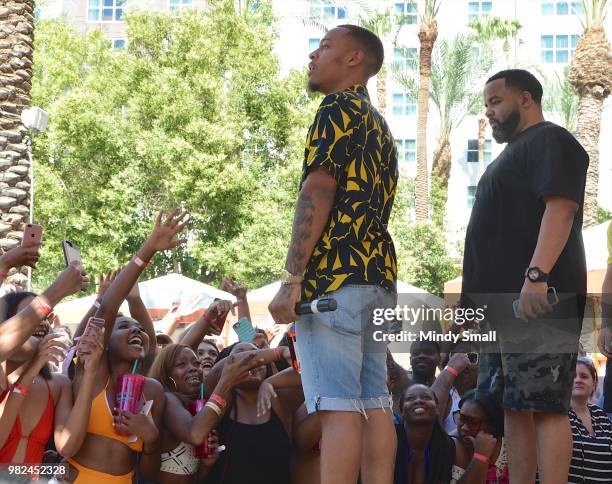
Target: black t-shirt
[502,234]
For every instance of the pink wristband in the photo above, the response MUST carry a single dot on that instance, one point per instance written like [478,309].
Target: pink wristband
[42,306]
[481,458]
[139,262]
[452,371]
[277,354]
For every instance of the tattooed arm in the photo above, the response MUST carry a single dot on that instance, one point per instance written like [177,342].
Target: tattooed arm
[311,215]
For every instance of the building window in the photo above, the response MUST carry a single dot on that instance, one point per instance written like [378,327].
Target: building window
[472,150]
[407,11]
[176,5]
[406,150]
[477,9]
[327,10]
[403,104]
[558,49]
[561,7]
[313,44]
[106,10]
[405,58]
[119,43]
[471,195]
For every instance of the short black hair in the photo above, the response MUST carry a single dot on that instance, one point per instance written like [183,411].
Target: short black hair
[522,80]
[492,409]
[371,44]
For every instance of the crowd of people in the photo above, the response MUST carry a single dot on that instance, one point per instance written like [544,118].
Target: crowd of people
[233,416]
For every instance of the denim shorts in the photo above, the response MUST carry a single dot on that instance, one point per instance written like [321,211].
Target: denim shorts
[337,374]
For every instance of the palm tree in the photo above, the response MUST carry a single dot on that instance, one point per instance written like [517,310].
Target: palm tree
[16,49]
[560,98]
[428,33]
[590,76]
[488,29]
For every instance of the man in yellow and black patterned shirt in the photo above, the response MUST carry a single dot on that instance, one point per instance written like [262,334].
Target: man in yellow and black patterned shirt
[341,248]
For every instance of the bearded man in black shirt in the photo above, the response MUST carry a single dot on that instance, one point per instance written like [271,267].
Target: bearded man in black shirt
[523,238]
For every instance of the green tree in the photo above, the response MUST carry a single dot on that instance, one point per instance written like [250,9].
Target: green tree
[180,117]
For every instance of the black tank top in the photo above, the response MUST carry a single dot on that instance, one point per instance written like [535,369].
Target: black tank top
[255,454]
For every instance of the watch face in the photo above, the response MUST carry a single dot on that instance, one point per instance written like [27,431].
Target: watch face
[533,274]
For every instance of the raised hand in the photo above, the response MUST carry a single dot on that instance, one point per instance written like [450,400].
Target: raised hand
[105,281]
[50,350]
[90,351]
[72,280]
[264,398]
[165,230]
[20,256]
[237,368]
[237,290]
[215,316]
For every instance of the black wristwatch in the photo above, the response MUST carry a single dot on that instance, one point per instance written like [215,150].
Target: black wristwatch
[535,274]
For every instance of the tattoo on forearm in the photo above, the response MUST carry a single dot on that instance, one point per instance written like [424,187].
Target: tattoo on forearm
[302,229]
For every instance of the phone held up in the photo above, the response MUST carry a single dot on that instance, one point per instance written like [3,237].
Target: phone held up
[244,329]
[71,252]
[32,235]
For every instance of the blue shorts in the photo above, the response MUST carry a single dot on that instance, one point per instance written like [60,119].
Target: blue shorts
[337,374]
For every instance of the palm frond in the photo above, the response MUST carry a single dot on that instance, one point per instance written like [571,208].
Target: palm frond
[315,23]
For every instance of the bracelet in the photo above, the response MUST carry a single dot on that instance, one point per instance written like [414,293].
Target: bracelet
[97,304]
[214,407]
[3,276]
[42,306]
[215,397]
[481,458]
[206,318]
[277,354]
[139,262]
[21,389]
[452,371]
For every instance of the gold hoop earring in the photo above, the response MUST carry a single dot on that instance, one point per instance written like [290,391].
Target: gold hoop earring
[174,383]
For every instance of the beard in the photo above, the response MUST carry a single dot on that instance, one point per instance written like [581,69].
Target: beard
[505,130]
[312,86]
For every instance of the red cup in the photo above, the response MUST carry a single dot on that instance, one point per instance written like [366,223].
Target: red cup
[127,397]
[202,450]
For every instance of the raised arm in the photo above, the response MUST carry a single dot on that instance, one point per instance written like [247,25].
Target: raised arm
[71,419]
[162,237]
[211,322]
[104,282]
[240,293]
[16,330]
[443,384]
[139,312]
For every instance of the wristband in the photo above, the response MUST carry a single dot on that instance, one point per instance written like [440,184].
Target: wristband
[481,458]
[215,397]
[452,371]
[3,276]
[214,407]
[22,390]
[277,354]
[139,262]
[42,306]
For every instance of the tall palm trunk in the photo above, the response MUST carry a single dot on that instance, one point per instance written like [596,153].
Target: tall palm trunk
[428,32]
[482,123]
[381,90]
[16,49]
[590,76]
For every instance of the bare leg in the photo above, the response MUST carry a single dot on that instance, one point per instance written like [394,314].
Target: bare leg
[554,441]
[520,438]
[340,447]
[379,446]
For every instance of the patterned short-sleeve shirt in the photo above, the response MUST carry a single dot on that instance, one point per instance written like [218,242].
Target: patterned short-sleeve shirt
[351,140]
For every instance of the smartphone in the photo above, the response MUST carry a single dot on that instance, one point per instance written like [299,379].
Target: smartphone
[552,300]
[244,329]
[71,252]
[32,235]
[94,328]
[473,357]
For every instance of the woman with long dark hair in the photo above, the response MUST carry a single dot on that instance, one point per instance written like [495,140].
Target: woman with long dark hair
[425,453]
[179,371]
[40,403]
[119,443]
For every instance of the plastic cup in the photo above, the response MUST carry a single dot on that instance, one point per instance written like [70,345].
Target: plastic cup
[129,390]
[203,450]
